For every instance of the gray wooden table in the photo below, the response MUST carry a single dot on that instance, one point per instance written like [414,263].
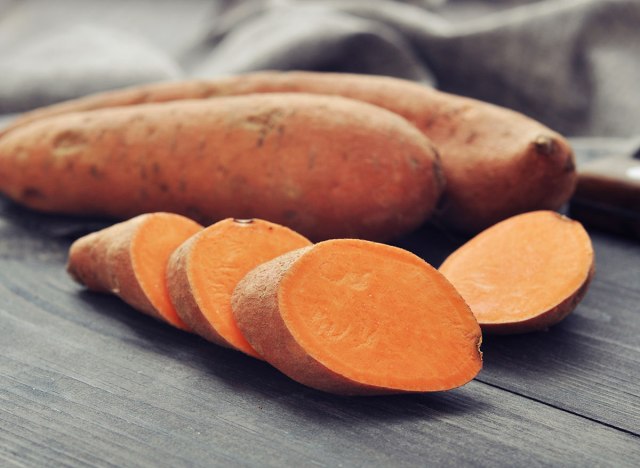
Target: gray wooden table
[87,381]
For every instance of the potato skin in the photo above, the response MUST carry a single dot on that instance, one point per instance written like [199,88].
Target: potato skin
[324,166]
[183,298]
[497,162]
[103,263]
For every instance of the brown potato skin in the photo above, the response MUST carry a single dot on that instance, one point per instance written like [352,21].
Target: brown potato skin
[102,261]
[325,166]
[183,299]
[497,162]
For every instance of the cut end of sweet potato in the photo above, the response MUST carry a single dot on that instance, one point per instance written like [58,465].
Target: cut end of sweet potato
[204,271]
[523,274]
[151,247]
[356,317]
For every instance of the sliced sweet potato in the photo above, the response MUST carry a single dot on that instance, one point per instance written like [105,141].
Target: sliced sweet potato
[129,259]
[203,272]
[523,274]
[355,317]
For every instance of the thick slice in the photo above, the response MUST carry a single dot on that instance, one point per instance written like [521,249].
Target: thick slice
[355,317]
[204,271]
[326,166]
[525,273]
[497,162]
[129,259]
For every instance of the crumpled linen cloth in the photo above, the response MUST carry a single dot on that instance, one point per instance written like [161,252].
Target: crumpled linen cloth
[572,64]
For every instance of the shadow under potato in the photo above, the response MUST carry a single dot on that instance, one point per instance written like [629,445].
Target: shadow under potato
[254,378]
[47,224]
[538,356]
[431,243]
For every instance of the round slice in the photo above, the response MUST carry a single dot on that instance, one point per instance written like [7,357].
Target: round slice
[203,272]
[356,317]
[525,273]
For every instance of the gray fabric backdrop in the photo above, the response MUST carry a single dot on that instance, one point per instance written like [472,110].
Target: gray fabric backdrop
[573,64]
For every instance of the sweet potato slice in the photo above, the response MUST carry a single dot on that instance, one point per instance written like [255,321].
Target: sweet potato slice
[523,274]
[356,317]
[203,272]
[129,259]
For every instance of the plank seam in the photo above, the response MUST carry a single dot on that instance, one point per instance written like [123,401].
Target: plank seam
[565,410]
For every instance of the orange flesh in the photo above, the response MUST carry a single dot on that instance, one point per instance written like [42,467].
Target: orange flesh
[223,255]
[521,267]
[380,316]
[151,248]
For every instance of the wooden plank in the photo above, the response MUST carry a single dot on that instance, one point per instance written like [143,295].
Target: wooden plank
[590,363]
[87,381]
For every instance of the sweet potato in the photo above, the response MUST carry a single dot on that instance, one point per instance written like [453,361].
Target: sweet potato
[523,274]
[205,269]
[325,166]
[129,259]
[497,162]
[355,317]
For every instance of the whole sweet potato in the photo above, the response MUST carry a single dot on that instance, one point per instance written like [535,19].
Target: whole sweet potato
[325,166]
[497,162]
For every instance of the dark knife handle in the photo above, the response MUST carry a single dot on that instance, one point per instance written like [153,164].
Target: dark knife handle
[608,195]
